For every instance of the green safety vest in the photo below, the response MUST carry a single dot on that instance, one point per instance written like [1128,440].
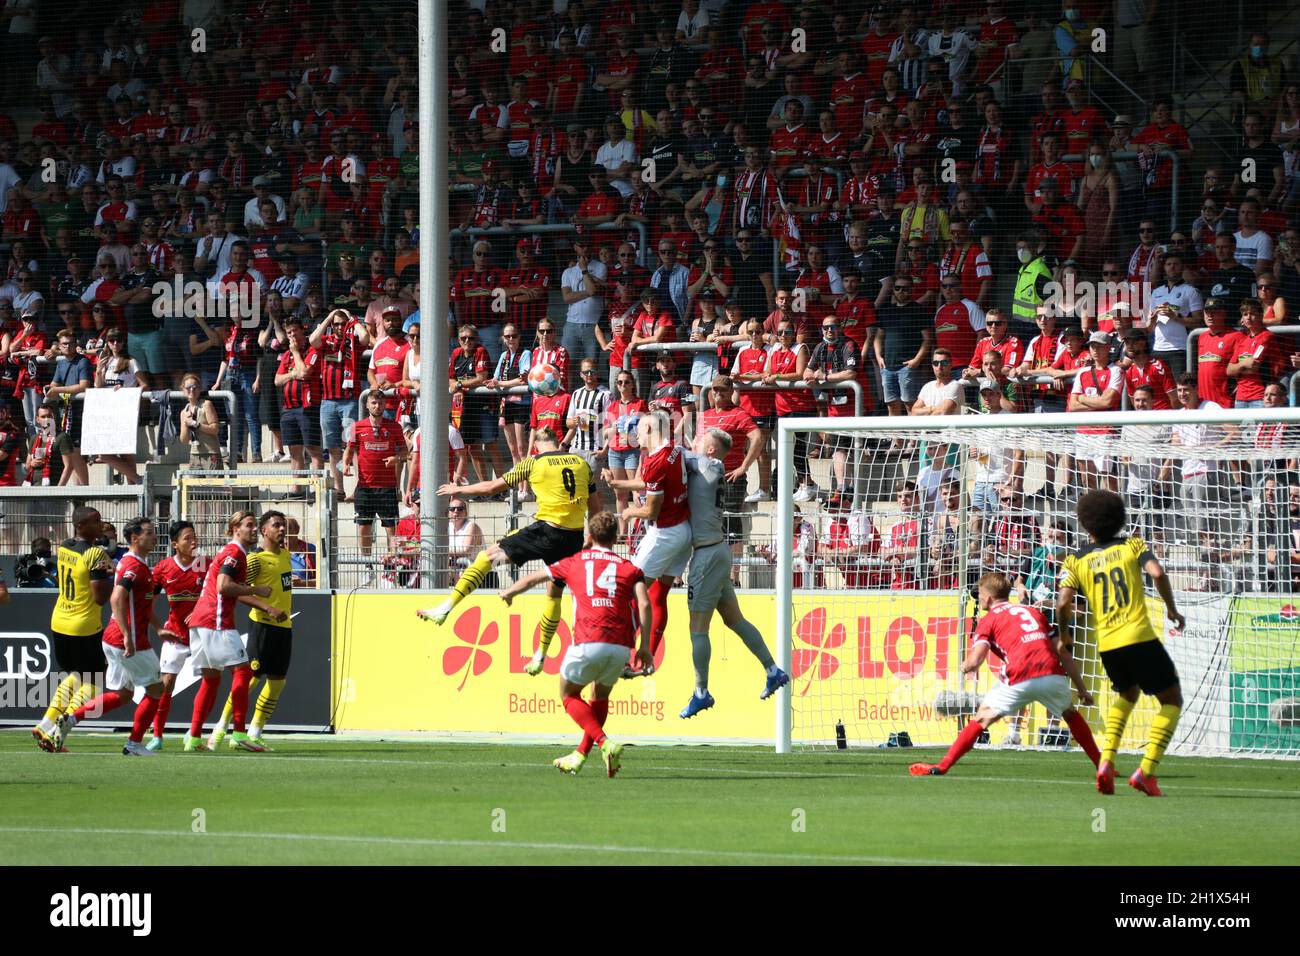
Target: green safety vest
[1027,300]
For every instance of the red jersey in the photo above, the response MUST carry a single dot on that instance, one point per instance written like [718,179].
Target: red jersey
[182,585]
[134,575]
[1041,354]
[387,360]
[619,416]
[664,473]
[603,586]
[551,412]
[1009,348]
[373,443]
[995,159]
[648,325]
[213,611]
[954,332]
[970,265]
[557,357]
[1213,354]
[1080,130]
[471,296]
[1022,637]
[1155,375]
[794,401]
[1095,382]
[524,314]
[1059,171]
[339,353]
[1271,357]
[856,316]
[847,96]
[736,423]
[750,361]
[903,535]
[301,392]
[11,448]
[788,145]
[1159,169]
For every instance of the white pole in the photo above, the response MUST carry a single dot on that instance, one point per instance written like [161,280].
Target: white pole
[784,577]
[434,227]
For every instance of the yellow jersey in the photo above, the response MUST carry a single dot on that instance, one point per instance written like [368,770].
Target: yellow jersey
[562,483]
[276,572]
[1109,576]
[75,612]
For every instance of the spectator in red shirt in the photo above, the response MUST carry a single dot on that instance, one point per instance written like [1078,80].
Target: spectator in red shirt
[1141,369]
[1060,221]
[339,339]
[388,360]
[1259,358]
[379,448]
[998,340]
[299,375]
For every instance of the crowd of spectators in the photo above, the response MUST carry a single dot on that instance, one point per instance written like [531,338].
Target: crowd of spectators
[870,201]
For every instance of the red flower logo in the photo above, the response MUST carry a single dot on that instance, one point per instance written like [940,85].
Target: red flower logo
[469,657]
[816,659]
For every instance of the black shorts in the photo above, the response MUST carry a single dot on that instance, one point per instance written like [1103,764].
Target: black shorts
[371,503]
[542,542]
[1146,665]
[765,422]
[733,502]
[300,426]
[79,655]
[269,647]
[517,413]
[478,423]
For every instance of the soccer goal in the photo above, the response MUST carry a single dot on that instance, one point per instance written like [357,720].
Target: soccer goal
[875,579]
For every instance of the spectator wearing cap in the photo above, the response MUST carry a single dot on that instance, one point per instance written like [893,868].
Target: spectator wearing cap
[583,286]
[254,215]
[1141,369]
[1097,388]
[472,297]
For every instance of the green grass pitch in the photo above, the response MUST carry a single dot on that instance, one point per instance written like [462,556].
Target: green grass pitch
[339,801]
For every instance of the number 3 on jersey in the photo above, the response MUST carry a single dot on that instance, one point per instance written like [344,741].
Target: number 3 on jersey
[607,582]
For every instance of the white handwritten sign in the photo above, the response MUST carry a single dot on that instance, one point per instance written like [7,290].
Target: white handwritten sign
[111,419]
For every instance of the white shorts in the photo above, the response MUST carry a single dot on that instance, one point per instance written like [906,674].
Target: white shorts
[128,673]
[664,552]
[595,663]
[1052,691]
[173,657]
[708,579]
[215,650]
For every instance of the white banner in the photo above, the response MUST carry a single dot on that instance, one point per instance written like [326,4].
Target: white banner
[111,419]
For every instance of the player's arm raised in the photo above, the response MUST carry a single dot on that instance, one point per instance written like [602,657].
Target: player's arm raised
[524,584]
[1160,580]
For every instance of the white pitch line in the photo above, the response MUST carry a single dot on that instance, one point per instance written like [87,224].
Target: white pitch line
[811,775]
[496,844]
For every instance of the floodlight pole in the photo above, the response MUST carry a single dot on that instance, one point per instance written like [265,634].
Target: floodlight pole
[434,227]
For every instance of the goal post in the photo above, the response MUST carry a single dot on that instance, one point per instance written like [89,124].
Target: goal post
[875,575]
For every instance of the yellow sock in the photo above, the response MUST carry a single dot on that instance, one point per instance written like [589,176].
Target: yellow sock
[1115,721]
[471,578]
[83,694]
[265,707]
[1162,732]
[62,695]
[550,621]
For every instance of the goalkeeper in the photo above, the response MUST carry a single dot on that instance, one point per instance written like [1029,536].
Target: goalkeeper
[563,484]
[1108,574]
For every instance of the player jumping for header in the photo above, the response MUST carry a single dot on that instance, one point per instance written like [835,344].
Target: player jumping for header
[1038,666]
[708,577]
[1108,573]
[563,484]
[610,598]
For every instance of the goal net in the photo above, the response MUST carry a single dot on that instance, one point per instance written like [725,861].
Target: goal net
[898,519]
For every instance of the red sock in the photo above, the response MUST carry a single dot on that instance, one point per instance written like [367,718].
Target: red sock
[203,700]
[239,695]
[582,715]
[164,708]
[658,615]
[144,712]
[109,700]
[964,742]
[1083,734]
[599,710]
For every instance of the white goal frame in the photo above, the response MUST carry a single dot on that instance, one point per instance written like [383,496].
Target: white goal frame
[788,428]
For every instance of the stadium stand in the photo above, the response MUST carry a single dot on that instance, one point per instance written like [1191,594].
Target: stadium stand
[1049,193]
